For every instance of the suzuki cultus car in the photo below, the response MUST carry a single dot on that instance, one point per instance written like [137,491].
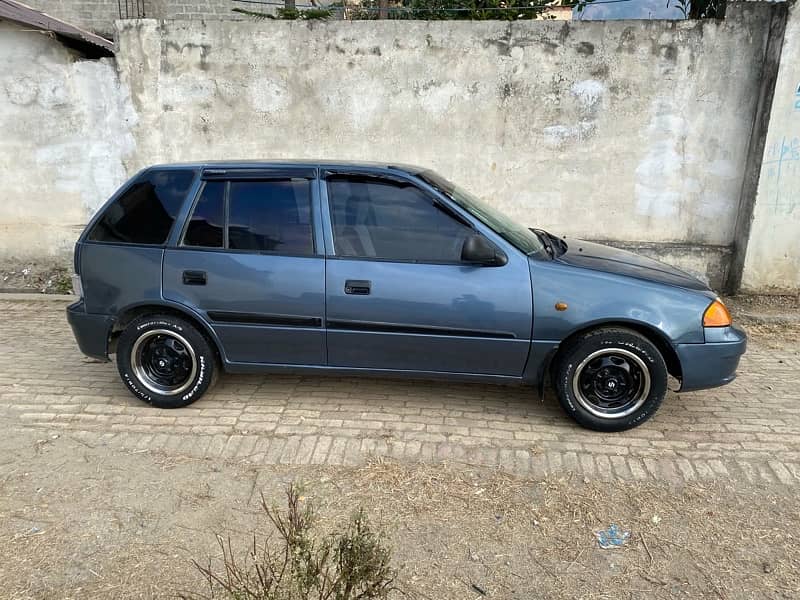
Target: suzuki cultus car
[349,268]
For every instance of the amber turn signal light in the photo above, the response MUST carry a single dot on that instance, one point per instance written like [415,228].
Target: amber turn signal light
[717,315]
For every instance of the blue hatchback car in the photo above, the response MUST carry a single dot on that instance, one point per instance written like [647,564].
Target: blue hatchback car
[379,269]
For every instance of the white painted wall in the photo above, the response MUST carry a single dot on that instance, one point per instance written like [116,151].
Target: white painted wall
[621,131]
[772,261]
[618,130]
[65,131]
[625,131]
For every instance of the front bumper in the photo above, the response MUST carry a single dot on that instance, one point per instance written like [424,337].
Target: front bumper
[90,331]
[713,363]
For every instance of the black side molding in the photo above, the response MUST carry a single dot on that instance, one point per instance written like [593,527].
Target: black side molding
[416,329]
[260,319]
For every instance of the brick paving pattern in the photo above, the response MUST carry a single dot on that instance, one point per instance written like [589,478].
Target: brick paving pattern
[749,430]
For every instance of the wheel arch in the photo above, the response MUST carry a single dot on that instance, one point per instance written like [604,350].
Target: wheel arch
[133,311]
[657,337]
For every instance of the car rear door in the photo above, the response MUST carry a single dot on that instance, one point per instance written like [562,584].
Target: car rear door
[398,296]
[248,261]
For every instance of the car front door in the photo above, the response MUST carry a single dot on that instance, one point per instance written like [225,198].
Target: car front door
[398,295]
[247,261]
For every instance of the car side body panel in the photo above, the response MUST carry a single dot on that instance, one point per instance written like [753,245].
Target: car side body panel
[270,313]
[708,357]
[595,297]
[264,309]
[115,276]
[428,317]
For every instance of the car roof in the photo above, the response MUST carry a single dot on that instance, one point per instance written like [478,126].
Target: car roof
[264,164]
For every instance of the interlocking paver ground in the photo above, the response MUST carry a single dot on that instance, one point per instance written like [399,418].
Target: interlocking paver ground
[749,430]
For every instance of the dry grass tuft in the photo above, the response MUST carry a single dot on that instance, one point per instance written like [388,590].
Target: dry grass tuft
[301,564]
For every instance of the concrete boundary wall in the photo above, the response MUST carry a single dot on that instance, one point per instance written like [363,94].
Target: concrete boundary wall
[65,138]
[772,255]
[635,133]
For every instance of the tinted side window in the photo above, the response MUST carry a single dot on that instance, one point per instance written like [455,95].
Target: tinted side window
[145,213]
[270,216]
[208,219]
[383,219]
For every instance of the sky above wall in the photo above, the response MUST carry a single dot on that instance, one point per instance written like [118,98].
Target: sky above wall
[630,9]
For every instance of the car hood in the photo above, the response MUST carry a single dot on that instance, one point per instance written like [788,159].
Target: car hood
[591,255]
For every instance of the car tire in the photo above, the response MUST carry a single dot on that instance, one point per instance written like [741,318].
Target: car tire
[165,361]
[610,379]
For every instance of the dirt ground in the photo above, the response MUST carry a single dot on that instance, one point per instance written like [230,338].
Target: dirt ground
[53,277]
[79,521]
[88,520]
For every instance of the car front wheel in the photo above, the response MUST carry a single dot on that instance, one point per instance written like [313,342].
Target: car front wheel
[165,361]
[611,379]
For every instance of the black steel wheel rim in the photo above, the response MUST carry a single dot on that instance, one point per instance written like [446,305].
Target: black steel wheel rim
[164,361]
[611,383]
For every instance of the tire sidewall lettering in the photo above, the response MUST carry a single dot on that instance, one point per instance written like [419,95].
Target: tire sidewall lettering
[580,351]
[201,376]
[135,389]
[149,324]
[203,351]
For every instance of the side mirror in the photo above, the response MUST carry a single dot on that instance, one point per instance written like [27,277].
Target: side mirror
[480,251]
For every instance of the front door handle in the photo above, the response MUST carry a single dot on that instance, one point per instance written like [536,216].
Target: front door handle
[357,287]
[194,278]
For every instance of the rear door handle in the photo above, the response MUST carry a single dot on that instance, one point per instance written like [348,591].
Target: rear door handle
[194,278]
[357,287]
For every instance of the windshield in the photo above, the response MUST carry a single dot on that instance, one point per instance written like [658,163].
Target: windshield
[518,235]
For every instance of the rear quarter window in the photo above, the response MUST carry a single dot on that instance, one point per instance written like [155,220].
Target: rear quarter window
[146,211]
[270,216]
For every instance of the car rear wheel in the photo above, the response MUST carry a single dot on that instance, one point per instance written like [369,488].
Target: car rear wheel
[165,361]
[611,379]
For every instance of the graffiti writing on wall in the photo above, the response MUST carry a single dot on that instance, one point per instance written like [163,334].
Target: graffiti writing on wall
[797,98]
[782,166]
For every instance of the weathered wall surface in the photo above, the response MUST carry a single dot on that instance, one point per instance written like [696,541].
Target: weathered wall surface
[772,261]
[64,133]
[631,131]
